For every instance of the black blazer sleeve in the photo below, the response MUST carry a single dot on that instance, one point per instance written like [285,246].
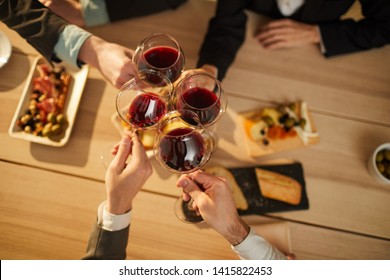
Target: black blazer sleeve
[346,36]
[225,35]
[107,245]
[34,22]
[125,9]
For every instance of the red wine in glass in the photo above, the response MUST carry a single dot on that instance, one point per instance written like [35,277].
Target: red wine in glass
[167,60]
[201,101]
[146,110]
[182,149]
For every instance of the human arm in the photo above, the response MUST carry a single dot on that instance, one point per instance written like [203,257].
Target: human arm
[109,236]
[214,201]
[35,23]
[97,12]
[224,37]
[287,33]
[335,36]
[347,36]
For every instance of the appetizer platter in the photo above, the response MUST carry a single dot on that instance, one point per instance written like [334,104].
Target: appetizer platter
[277,128]
[265,189]
[47,108]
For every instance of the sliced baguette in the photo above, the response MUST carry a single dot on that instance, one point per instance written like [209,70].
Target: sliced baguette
[279,187]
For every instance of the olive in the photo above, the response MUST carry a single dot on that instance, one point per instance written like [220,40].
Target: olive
[381,168]
[51,117]
[290,122]
[24,119]
[61,119]
[46,131]
[56,129]
[283,118]
[27,129]
[387,155]
[302,123]
[379,156]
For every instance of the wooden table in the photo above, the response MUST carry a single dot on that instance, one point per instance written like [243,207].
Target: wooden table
[49,195]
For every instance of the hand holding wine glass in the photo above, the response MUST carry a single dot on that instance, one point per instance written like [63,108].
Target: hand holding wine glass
[214,201]
[126,174]
[183,145]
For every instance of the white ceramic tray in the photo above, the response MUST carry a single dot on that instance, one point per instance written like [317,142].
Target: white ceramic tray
[79,77]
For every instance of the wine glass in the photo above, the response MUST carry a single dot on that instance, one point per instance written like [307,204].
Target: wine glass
[162,53]
[144,100]
[140,104]
[203,94]
[183,145]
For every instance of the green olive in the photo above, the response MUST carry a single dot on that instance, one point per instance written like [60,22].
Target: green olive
[46,131]
[381,168]
[379,156]
[56,129]
[51,117]
[289,123]
[61,119]
[387,155]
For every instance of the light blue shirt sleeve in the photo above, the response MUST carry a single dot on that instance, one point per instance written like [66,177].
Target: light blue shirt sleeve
[70,41]
[94,12]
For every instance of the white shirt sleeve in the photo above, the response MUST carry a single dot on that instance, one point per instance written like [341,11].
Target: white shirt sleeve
[110,221]
[69,44]
[254,247]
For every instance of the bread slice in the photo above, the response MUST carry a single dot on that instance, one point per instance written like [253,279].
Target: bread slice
[238,196]
[279,187]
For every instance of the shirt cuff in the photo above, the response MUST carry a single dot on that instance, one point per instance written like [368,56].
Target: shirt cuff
[322,45]
[112,222]
[94,12]
[69,44]
[254,247]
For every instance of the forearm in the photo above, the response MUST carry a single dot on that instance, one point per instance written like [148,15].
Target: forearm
[224,37]
[346,36]
[34,22]
[109,237]
[107,245]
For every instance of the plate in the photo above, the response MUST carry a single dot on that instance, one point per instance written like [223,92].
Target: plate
[259,148]
[76,87]
[5,49]
[258,204]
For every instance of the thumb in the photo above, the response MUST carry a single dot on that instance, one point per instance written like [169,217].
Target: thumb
[189,186]
[121,156]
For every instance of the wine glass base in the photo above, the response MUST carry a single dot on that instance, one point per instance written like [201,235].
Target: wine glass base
[185,213]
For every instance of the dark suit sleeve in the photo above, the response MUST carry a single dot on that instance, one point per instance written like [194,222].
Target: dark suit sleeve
[346,36]
[34,22]
[225,35]
[107,245]
[125,9]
